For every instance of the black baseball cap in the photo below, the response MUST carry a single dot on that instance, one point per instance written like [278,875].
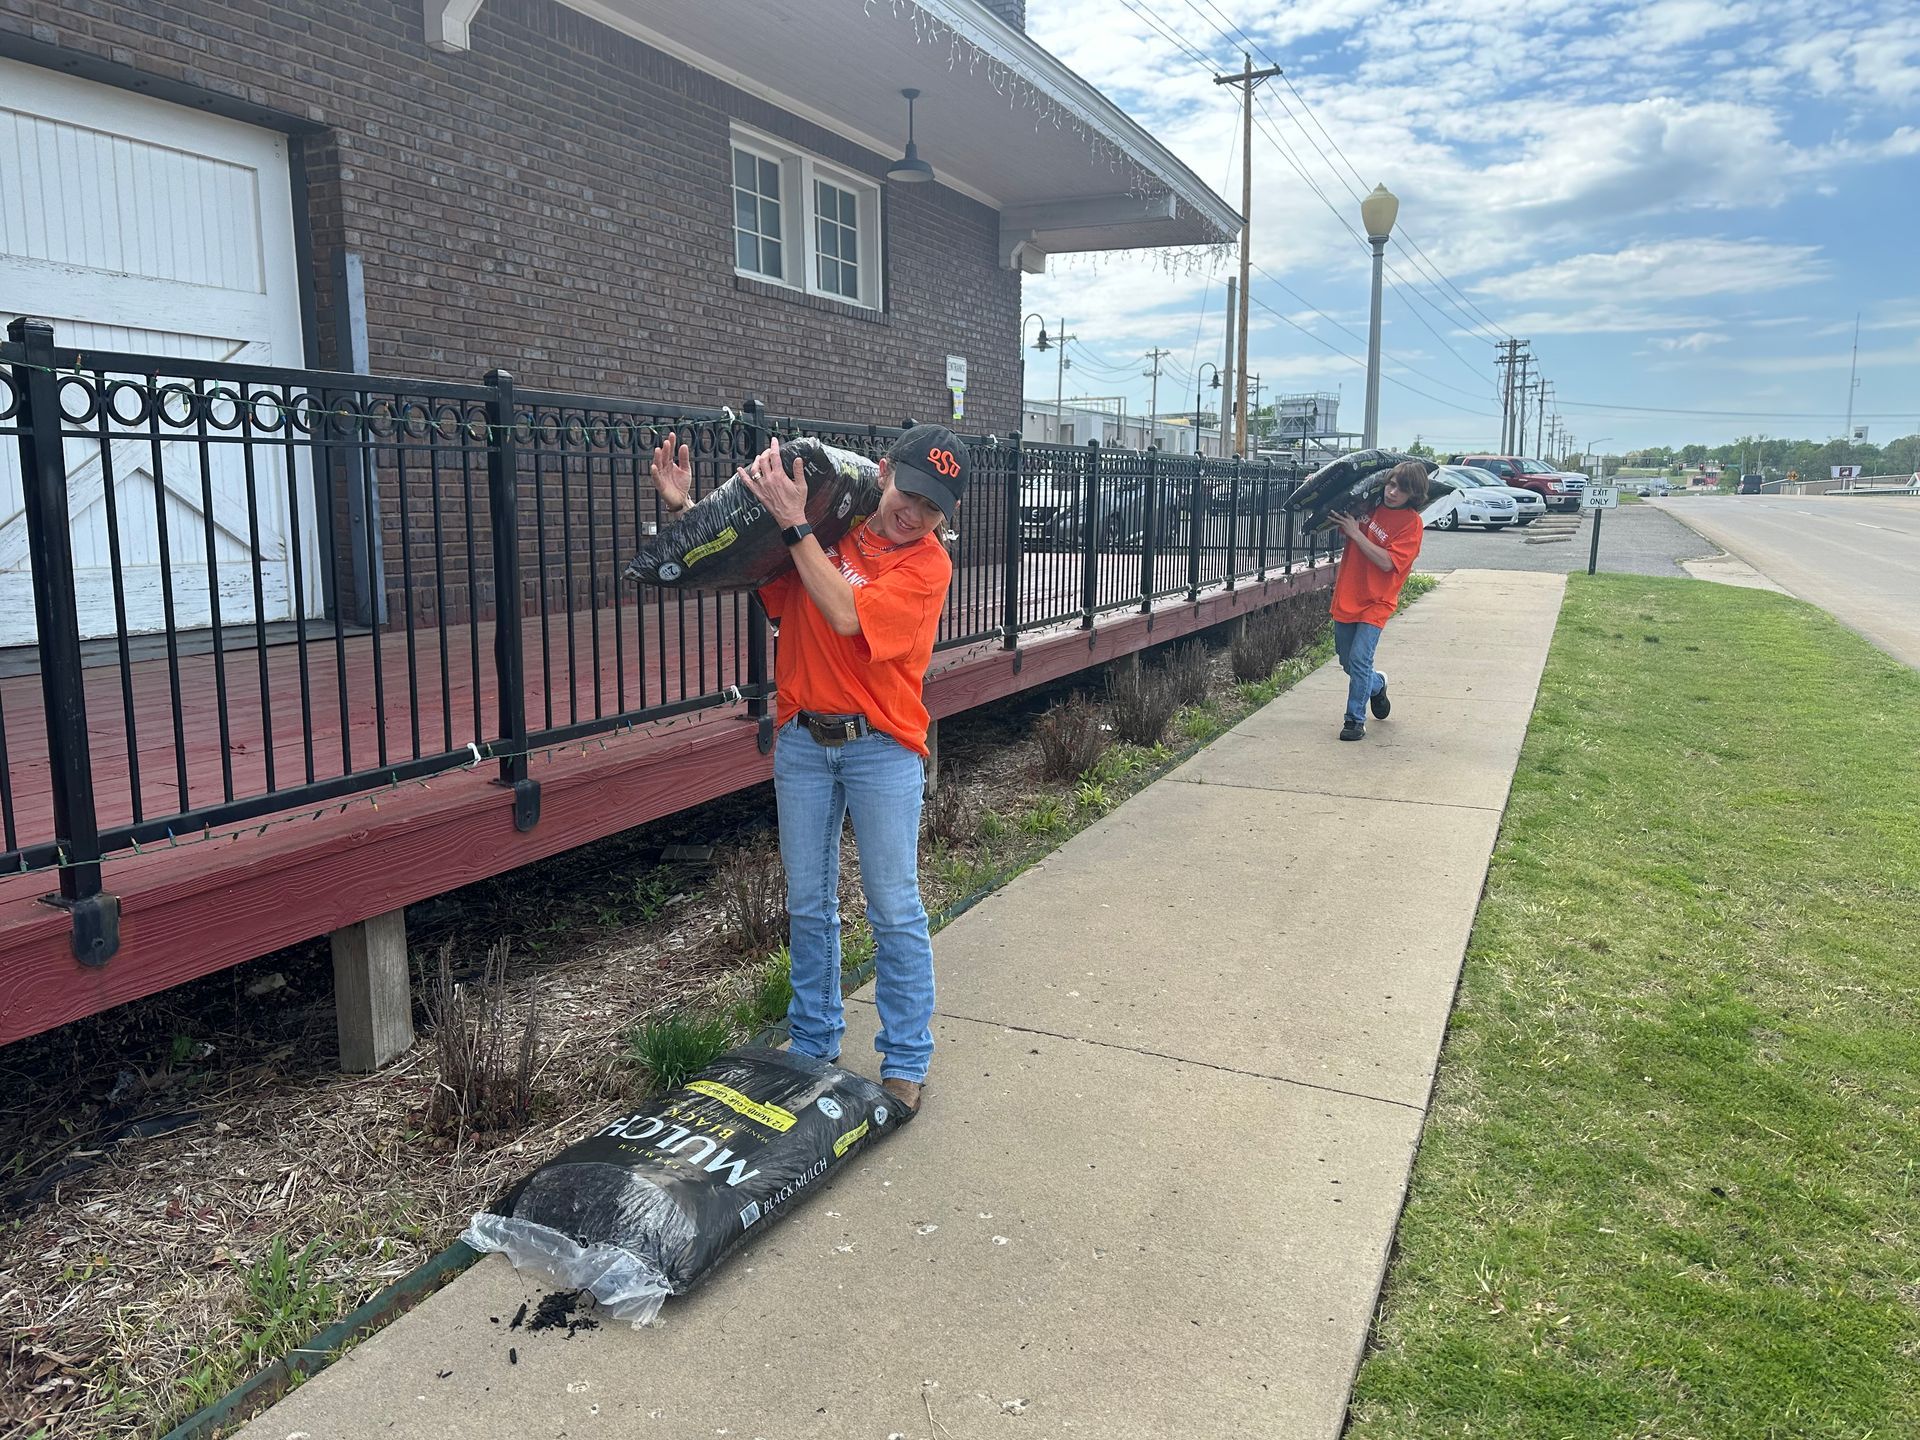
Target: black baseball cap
[930,461]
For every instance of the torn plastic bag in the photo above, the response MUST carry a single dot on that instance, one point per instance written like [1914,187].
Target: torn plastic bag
[650,1203]
[1353,482]
[728,541]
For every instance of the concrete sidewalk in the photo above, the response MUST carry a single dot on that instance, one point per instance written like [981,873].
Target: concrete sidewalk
[1182,1069]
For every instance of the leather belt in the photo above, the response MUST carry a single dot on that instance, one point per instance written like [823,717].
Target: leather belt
[833,729]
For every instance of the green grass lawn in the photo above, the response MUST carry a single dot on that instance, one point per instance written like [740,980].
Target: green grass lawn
[1668,1186]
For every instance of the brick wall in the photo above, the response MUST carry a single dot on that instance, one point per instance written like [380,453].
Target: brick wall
[556,202]
[1014,12]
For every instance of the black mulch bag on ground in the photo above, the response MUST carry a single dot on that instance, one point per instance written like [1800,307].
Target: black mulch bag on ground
[728,541]
[649,1204]
[1353,483]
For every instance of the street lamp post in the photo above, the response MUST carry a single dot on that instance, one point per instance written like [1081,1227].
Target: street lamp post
[1060,376]
[1601,478]
[1378,212]
[1042,344]
[1199,376]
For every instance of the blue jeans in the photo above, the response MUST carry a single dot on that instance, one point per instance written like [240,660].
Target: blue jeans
[881,783]
[1354,642]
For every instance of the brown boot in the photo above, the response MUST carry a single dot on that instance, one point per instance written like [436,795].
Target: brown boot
[907,1092]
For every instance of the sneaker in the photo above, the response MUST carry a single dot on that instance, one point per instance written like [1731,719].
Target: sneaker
[1353,730]
[1379,704]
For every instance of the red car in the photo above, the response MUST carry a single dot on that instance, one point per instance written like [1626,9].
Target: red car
[1559,489]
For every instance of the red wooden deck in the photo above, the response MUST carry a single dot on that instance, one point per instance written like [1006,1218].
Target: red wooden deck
[206,905]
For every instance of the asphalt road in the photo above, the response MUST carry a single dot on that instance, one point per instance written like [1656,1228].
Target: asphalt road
[1634,540]
[1858,559]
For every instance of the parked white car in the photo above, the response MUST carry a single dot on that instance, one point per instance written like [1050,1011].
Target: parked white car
[1477,499]
[1529,507]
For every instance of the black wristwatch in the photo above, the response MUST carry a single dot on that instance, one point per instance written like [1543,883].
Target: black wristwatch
[794,534]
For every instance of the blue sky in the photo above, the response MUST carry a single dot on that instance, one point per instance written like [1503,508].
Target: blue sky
[1681,203]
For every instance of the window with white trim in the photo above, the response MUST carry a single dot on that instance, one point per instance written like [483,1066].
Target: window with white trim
[836,242]
[758,230]
[801,222]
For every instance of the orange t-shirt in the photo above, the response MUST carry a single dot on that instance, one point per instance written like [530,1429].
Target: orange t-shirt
[1362,591]
[881,672]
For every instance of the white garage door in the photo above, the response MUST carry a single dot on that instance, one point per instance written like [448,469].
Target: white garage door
[136,225]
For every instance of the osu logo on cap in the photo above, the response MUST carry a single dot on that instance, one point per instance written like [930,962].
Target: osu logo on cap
[943,461]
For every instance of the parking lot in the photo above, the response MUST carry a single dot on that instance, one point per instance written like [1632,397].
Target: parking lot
[1634,540]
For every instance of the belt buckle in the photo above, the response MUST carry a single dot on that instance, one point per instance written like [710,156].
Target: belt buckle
[832,735]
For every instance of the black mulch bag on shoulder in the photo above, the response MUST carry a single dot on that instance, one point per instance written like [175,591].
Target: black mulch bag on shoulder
[728,541]
[651,1202]
[1353,483]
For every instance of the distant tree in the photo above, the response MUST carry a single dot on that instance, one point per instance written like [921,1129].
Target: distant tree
[1420,450]
[1774,456]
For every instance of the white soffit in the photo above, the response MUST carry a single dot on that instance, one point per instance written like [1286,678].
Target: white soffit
[841,65]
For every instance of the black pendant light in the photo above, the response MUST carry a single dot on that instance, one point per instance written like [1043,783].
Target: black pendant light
[910,169]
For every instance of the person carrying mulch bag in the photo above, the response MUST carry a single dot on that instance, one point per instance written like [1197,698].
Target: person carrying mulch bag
[857,619]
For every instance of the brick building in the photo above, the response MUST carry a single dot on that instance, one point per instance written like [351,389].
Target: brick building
[689,203]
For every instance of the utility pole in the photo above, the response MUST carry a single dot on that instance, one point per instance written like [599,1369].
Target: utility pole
[1541,391]
[1518,445]
[1253,412]
[1060,382]
[1228,371]
[1509,354]
[1853,378]
[1154,357]
[1246,80]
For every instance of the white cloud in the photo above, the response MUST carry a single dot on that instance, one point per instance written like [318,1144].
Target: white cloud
[1665,270]
[1694,343]
[1833,360]
[1614,177]
[1667,23]
[1873,63]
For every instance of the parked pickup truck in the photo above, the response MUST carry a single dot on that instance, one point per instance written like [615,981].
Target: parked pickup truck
[1559,489]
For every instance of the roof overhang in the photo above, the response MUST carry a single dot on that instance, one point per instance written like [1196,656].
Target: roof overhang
[1001,120]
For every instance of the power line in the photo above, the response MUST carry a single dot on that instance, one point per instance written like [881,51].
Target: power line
[1101,369]
[1737,414]
[1239,36]
[1268,127]
[1269,277]
[1497,331]
[1200,324]
[1330,140]
[1356,360]
[1161,28]
[1430,330]
[1400,281]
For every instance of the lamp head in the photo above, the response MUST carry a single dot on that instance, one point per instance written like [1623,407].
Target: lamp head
[910,169]
[1378,212]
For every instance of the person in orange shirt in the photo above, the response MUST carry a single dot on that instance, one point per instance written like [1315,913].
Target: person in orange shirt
[1380,552]
[857,625]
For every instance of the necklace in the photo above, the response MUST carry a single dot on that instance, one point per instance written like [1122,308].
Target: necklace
[861,545]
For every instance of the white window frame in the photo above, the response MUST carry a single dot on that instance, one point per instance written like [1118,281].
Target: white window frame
[788,205]
[799,219]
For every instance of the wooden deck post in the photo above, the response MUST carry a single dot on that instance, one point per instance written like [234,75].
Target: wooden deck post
[372,996]
[933,756]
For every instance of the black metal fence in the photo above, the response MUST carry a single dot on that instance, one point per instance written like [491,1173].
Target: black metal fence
[258,590]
